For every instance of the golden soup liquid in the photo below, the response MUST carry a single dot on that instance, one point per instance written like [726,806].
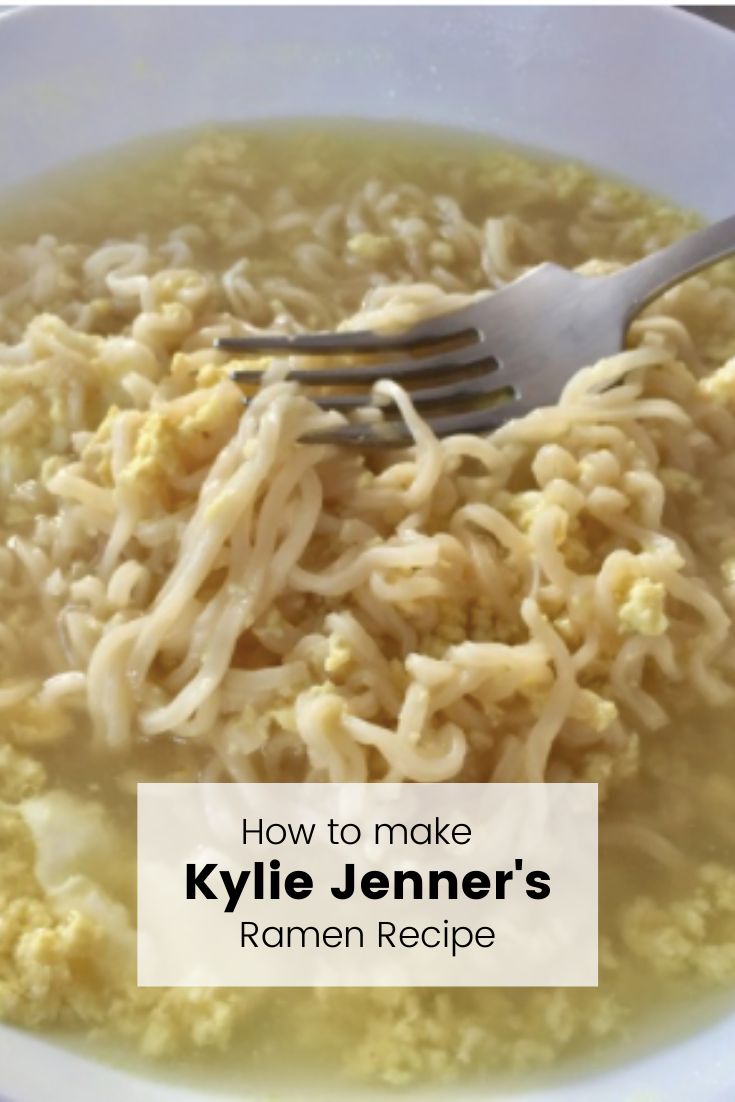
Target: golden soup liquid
[293,226]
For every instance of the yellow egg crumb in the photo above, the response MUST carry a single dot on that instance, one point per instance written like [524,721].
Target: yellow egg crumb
[524,507]
[339,654]
[20,774]
[720,384]
[155,454]
[370,246]
[643,611]
[593,709]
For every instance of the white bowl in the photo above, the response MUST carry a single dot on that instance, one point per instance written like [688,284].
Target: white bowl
[645,93]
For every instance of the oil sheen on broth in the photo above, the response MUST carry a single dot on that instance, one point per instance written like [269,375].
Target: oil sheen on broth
[118,275]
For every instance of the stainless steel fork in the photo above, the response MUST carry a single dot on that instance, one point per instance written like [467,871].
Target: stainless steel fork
[502,356]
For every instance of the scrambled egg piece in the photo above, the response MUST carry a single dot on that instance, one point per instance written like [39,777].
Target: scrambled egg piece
[46,961]
[371,246]
[524,507]
[643,609]
[593,709]
[46,964]
[171,1022]
[67,946]
[217,412]
[34,723]
[96,452]
[694,935]
[20,775]
[449,625]
[720,384]
[167,441]
[155,455]
[407,1034]
[339,655]
[606,770]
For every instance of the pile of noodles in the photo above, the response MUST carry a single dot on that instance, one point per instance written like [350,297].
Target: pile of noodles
[177,565]
[199,573]
[188,591]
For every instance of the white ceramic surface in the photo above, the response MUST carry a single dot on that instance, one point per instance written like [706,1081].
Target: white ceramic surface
[646,93]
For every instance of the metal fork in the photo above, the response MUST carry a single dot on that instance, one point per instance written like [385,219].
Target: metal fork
[502,356]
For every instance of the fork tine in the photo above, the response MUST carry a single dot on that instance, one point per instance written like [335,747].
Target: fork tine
[395,434]
[483,386]
[325,343]
[439,330]
[470,358]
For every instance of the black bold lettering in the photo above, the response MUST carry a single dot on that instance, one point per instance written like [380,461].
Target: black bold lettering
[538,885]
[195,881]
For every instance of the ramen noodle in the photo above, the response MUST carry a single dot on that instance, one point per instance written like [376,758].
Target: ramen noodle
[190,592]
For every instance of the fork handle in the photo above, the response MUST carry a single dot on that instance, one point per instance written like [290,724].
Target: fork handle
[648,278]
